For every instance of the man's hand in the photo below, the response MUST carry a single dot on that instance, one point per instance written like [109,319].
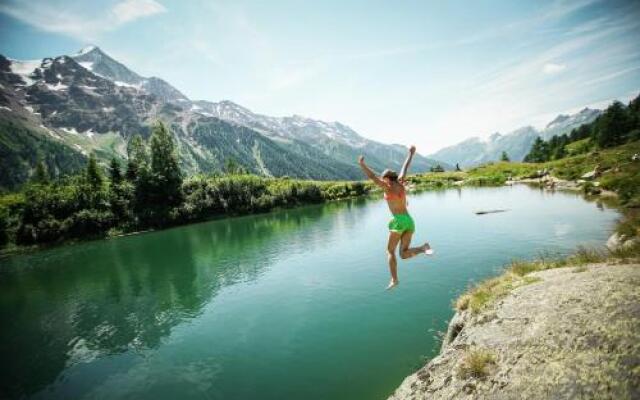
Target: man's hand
[361,160]
[412,150]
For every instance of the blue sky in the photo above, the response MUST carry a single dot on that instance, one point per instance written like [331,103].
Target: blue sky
[430,73]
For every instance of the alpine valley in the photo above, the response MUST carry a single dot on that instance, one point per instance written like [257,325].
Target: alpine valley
[59,109]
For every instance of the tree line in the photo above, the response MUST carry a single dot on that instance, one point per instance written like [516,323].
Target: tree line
[617,125]
[148,192]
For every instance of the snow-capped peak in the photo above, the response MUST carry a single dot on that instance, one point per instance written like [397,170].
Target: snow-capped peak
[558,120]
[563,120]
[86,49]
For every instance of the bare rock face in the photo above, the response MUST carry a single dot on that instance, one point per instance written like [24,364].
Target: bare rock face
[574,333]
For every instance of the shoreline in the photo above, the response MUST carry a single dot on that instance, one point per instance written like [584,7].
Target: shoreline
[13,249]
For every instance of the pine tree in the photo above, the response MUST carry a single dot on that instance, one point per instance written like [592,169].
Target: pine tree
[634,111]
[40,175]
[539,151]
[504,157]
[138,158]
[559,152]
[93,173]
[114,171]
[132,170]
[613,125]
[120,193]
[232,167]
[164,165]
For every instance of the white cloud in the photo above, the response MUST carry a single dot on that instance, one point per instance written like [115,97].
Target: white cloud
[50,18]
[130,10]
[553,68]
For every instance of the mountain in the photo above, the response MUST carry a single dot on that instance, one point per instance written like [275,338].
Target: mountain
[59,109]
[98,62]
[475,151]
[565,123]
[331,138]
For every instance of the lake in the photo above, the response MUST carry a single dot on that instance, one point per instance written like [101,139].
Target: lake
[286,305]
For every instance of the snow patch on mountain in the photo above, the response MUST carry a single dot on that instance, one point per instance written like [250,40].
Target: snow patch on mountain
[88,65]
[72,131]
[25,69]
[50,132]
[295,127]
[125,84]
[564,123]
[57,86]
[126,103]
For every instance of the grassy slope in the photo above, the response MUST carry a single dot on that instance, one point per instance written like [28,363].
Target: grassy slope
[620,174]
[20,149]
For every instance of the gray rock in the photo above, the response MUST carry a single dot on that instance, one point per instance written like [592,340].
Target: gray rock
[572,334]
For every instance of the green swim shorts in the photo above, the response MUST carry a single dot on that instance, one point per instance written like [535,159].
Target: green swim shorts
[401,223]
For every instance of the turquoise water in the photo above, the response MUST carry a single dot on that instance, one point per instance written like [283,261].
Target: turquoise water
[287,305]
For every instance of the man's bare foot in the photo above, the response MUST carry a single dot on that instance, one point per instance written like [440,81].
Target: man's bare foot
[426,248]
[392,284]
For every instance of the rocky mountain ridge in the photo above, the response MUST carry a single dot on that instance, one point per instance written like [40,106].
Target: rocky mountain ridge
[516,144]
[90,102]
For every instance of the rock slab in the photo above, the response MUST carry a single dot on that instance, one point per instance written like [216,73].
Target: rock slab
[574,333]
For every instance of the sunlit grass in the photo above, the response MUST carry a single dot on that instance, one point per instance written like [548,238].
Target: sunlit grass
[475,363]
[516,274]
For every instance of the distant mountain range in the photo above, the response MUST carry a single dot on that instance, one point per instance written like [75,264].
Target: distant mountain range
[59,109]
[474,151]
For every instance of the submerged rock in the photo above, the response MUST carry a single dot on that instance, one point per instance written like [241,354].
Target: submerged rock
[571,333]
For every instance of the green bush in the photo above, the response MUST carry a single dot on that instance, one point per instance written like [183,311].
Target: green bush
[206,197]
[152,193]
[87,223]
[46,229]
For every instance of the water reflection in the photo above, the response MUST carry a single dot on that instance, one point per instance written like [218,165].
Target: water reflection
[78,303]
